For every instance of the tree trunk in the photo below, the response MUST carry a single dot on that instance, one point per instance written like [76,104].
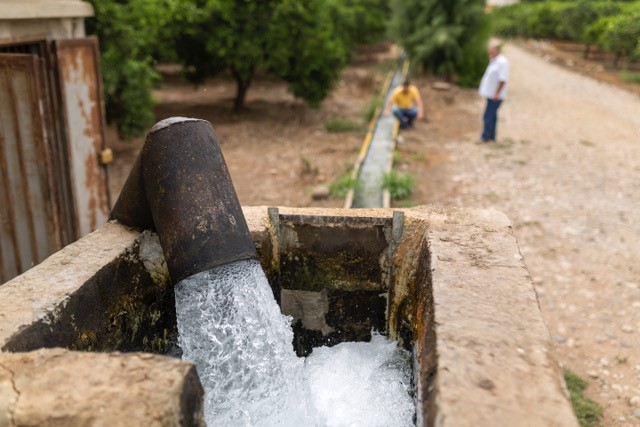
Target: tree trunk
[587,50]
[242,86]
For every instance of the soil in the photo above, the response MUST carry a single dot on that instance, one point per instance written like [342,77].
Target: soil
[564,170]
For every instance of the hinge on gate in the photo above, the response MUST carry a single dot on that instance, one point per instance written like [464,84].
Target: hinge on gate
[106,156]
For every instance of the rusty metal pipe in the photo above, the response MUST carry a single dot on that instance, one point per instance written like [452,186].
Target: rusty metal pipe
[180,186]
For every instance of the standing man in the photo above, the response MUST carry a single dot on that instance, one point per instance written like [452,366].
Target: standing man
[493,87]
[408,104]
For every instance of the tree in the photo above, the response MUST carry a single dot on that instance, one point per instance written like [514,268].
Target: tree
[446,37]
[360,21]
[576,20]
[291,39]
[622,35]
[128,32]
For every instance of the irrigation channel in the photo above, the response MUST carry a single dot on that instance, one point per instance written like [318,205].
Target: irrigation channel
[376,154]
[231,327]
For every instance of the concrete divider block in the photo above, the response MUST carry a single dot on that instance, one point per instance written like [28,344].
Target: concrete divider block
[56,387]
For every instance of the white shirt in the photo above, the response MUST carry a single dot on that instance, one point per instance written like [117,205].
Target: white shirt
[497,71]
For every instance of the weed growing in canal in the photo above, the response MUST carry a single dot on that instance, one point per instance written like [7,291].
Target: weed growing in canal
[341,186]
[400,186]
[588,412]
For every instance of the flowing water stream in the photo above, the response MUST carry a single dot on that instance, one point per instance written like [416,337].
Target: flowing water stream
[230,325]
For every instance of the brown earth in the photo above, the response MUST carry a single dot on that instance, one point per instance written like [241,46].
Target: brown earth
[565,171]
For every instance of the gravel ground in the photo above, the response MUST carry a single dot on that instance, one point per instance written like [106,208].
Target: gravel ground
[566,171]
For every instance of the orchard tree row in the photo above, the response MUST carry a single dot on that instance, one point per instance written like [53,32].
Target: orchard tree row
[306,43]
[613,26]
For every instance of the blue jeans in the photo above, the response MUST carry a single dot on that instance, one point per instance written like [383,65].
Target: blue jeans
[490,119]
[406,116]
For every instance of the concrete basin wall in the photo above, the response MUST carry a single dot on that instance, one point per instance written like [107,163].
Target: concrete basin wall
[449,284]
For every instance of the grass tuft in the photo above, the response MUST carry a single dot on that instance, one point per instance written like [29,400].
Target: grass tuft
[630,76]
[588,412]
[340,125]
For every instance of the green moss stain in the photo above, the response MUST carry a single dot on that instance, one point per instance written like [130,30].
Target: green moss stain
[138,309]
[343,270]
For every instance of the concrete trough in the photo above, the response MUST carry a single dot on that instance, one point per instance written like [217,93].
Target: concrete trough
[448,284]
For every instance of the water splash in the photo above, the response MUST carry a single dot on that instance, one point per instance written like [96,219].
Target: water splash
[231,327]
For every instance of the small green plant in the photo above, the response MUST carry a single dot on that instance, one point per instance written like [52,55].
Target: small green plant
[589,413]
[341,186]
[400,186]
[371,109]
[340,125]
[630,76]
[397,157]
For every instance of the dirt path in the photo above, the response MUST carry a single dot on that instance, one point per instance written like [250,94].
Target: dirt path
[566,171]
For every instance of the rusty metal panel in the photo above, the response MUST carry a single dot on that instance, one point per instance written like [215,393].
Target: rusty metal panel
[81,91]
[28,226]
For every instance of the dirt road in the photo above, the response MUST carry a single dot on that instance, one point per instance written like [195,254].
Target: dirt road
[566,170]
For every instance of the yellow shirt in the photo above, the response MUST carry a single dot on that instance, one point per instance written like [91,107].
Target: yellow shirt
[405,100]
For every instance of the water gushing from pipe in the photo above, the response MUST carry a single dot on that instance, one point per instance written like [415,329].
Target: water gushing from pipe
[232,328]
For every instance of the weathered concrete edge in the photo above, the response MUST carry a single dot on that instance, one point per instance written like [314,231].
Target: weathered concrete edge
[493,349]
[495,365]
[76,388]
[30,297]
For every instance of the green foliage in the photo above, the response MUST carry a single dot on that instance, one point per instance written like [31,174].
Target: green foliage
[293,40]
[575,18]
[509,20]
[128,33]
[564,20]
[400,186]
[593,33]
[303,50]
[336,125]
[589,413]
[447,38]
[341,186]
[622,35]
[360,21]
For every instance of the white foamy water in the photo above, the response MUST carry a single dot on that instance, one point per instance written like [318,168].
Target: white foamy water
[231,327]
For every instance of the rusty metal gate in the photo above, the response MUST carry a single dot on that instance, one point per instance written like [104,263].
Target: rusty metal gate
[53,189]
